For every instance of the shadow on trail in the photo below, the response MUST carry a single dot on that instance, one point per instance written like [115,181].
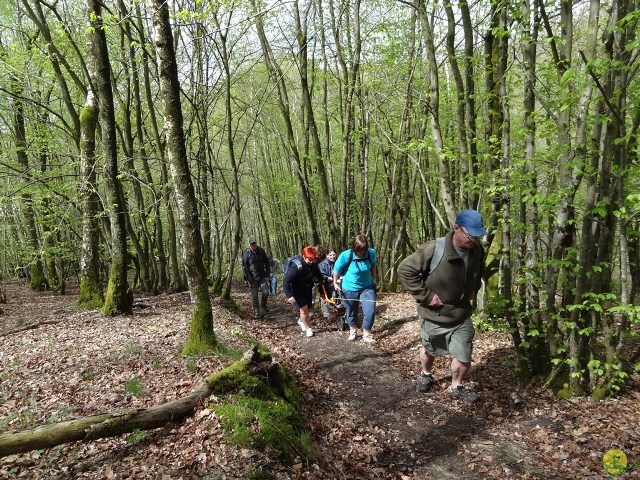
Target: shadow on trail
[423,432]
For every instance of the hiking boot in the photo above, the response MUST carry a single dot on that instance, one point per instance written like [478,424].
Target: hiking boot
[303,327]
[368,338]
[352,335]
[464,394]
[309,332]
[425,382]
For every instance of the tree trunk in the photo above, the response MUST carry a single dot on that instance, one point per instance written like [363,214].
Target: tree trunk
[201,335]
[235,200]
[533,327]
[172,278]
[37,277]
[278,78]
[318,154]
[446,195]
[118,299]
[91,289]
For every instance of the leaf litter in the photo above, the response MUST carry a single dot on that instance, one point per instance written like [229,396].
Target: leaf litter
[366,421]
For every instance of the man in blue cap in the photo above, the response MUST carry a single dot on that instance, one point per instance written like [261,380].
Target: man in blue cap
[444,276]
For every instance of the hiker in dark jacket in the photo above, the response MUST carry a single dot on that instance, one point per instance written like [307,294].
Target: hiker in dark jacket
[326,269]
[299,278]
[257,274]
[443,294]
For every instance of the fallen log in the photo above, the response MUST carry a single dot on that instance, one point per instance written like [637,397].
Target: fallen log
[113,424]
[30,326]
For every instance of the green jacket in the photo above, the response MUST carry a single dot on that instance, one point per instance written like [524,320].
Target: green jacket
[455,287]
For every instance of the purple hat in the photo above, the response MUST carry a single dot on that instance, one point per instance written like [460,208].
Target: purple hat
[472,221]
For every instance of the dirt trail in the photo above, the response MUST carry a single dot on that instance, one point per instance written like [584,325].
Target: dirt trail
[388,429]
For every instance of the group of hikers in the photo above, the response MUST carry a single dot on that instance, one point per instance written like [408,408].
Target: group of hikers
[443,276]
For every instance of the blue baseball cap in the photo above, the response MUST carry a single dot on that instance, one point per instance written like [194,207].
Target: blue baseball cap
[472,222]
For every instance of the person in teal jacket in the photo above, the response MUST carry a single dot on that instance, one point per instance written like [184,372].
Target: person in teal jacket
[354,274]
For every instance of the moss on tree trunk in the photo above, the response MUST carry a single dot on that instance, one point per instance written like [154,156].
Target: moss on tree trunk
[117,300]
[202,337]
[91,295]
[38,280]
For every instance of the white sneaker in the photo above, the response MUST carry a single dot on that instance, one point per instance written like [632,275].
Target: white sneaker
[309,332]
[352,335]
[303,327]
[368,338]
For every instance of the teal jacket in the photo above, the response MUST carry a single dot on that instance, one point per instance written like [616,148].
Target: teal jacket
[358,275]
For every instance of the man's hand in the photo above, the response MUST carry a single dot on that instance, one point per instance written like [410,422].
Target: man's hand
[291,300]
[435,301]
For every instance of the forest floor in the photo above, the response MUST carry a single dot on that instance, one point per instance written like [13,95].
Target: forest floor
[359,401]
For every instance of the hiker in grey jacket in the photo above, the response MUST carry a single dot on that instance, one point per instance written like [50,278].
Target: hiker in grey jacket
[444,288]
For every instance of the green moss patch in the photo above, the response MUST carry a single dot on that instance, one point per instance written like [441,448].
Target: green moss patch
[260,410]
[272,426]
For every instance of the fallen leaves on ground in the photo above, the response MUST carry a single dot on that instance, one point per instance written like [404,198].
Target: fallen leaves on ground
[78,363]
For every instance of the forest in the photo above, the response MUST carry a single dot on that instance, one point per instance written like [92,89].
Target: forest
[144,141]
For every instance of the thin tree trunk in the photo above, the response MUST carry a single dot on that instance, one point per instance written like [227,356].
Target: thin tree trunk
[174,278]
[318,154]
[37,278]
[91,289]
[283,102]
[235,172]
[446,192]
[538,352]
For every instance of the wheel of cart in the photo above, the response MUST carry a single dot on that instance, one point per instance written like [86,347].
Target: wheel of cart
[337,311]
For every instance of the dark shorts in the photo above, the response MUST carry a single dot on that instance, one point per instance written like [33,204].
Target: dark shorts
[303,299]
[440,339]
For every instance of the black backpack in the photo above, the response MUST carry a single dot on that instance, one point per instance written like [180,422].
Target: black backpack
[295,259]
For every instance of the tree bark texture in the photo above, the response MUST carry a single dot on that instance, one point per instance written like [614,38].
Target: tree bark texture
[91,293]
[201,334]
[117,299]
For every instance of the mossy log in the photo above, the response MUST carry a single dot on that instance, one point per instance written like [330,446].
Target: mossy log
[113,424]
